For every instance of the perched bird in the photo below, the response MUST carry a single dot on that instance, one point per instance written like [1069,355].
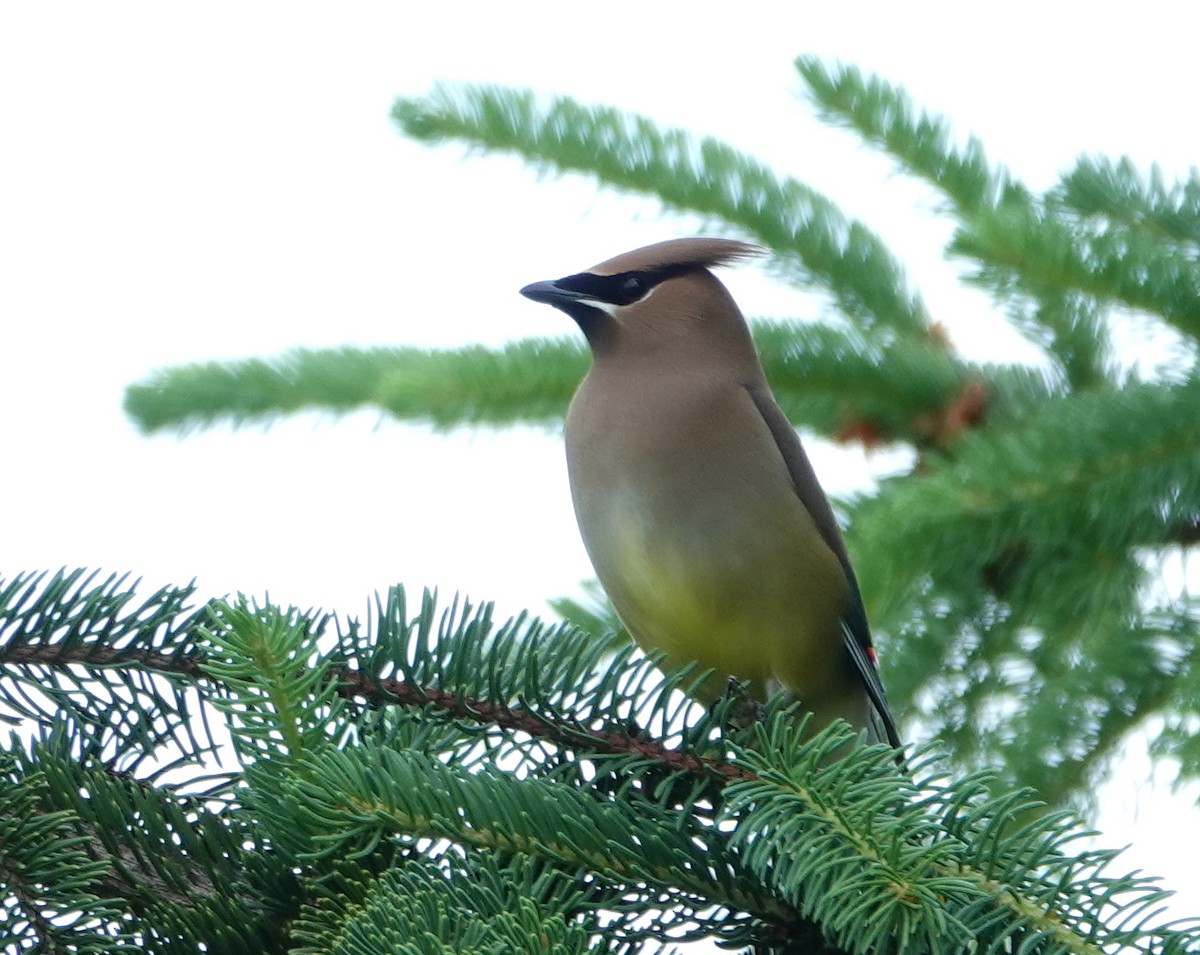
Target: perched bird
[696,502]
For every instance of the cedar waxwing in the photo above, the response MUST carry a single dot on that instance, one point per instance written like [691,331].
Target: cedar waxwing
[696,502]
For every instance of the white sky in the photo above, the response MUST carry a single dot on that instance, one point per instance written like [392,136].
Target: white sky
[181,183]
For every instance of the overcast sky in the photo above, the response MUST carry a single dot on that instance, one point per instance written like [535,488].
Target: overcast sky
[181,183]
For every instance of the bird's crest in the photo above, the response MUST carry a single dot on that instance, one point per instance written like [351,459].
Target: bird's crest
[696,253]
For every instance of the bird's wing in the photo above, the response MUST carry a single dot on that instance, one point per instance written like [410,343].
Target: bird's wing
[862,653]
[856,635]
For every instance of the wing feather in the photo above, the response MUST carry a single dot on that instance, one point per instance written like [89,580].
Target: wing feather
[856,634]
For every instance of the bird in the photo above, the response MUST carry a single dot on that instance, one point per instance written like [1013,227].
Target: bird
[696,502]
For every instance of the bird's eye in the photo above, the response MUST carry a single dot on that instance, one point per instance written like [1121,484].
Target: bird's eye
[623,288]
[633,288]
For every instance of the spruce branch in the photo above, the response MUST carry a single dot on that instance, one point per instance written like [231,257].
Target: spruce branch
[672,817]
[1016,615]
[812,240]
[350,799]
[51,888]
[1117,265]
[525,381]
[883,115]
[1118,192]
[275,685]
[943,892]
[382,692]
[385,768]
[1105,234]
[918,392]
[1152,688]
[1131,454]
[411,910]
[185,866]
[202,394]
[232,635]
[127,862]
[826,377]
[90,651]
[1074,329]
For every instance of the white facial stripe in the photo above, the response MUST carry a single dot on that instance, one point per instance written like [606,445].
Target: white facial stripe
[607,307]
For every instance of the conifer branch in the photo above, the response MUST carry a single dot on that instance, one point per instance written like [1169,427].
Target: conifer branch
[810,822]
[497,906]
[1000,218]
[1117,265]
[189,665]
[1132,453]
[811,238]
[1072,775]
[352,798]
[355,685]
[49,882]
[828,378]
[528,381]
[423,771]
[883,115]
[1117,192]
[379,692]
[846,385]
[24,647]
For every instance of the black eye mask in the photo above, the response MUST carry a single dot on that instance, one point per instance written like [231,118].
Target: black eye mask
[624,288]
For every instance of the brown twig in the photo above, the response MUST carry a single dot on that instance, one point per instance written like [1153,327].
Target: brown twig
[353,684]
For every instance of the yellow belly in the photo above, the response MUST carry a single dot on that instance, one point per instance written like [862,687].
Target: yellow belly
[765,609]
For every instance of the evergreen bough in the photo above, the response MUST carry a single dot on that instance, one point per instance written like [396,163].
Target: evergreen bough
[248,778]
[430,781]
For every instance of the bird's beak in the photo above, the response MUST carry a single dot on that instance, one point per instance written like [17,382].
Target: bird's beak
[549,293]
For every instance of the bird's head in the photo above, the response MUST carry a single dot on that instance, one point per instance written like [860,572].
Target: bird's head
[653,292]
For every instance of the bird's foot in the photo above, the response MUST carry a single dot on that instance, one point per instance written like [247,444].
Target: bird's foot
[745,709]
